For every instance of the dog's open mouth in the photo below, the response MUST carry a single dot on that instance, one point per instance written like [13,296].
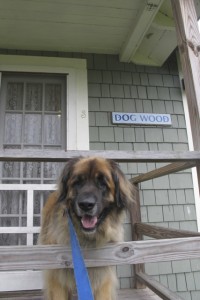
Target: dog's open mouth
[89,222]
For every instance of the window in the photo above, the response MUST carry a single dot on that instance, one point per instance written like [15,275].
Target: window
[32,117]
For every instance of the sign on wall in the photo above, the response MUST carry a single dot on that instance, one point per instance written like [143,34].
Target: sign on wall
[141,118]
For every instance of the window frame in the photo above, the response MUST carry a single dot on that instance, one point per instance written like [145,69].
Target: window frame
[75,70]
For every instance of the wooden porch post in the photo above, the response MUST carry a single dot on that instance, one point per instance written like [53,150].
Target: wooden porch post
[189,47]
[135,214]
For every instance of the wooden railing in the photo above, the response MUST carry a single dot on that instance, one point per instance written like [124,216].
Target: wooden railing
[59,257]
[29,229]
[170,244]
[120,156]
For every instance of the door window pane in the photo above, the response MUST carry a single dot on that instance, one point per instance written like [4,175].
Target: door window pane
[33,129]
[13,128]
[52,129]
[14,99]
[33,97]
[52,97]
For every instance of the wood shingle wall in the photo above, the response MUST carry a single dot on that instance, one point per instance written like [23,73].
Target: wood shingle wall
[167,201]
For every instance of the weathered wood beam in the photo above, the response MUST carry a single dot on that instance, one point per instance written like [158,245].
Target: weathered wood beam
[22,295]
[135,214]
[189,47]
[163,22]
[157,287]
[139,29]
[56,257]
[159,232]
[166,170]
[119,156]
[123,294]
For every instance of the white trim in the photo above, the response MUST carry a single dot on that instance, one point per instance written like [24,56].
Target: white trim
[19,230]
[21,280]
[26,187]
[77,93]
[0,79]
[1,119]
[40,64]
[30,216]
[82,110]
[71,111]
[190,143]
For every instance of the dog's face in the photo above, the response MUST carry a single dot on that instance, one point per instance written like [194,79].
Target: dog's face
[92,189]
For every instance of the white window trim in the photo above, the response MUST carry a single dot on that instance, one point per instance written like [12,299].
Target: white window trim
[76,90]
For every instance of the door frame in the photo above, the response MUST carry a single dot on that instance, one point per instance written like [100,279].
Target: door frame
[77,135]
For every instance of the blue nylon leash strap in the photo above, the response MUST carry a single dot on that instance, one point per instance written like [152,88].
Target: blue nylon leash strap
[84,289]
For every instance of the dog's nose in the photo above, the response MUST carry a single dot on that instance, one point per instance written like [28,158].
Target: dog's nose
[87,204]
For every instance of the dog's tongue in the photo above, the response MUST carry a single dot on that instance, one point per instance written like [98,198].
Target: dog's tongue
[89,222]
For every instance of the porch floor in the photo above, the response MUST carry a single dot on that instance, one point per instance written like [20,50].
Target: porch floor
[125,294]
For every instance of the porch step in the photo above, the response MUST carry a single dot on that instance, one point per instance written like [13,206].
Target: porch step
[125,294]
[140,294]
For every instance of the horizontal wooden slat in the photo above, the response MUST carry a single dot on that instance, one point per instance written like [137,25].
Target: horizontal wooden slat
[137,294]
[23,295]
[123,294]
[26,187]
[169,169]
[54,257]
[19,230]
[158,288]
[120,156]
[159,232]
[21,281]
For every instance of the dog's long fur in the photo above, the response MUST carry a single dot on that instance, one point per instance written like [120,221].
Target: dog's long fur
[95,193]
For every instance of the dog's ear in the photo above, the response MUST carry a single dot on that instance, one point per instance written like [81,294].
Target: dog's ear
[124,190]
[64,178]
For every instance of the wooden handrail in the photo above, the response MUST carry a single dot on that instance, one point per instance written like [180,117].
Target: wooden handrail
[56,257]
[159,232]
[157,287]
[166,170]
[119,156]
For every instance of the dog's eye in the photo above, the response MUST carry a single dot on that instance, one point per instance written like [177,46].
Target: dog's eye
[101,183]
[78,181]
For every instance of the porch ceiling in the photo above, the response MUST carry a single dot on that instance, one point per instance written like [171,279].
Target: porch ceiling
[139,31]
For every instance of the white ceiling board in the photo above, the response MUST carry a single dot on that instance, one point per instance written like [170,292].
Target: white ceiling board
[53,17]
[90,26]
[64,25]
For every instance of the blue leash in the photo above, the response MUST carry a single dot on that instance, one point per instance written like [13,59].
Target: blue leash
[84,289]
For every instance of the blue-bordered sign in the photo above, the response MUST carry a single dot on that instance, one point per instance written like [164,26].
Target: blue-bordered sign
[141,118]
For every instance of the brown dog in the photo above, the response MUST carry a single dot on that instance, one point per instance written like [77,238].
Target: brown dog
[95,193]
